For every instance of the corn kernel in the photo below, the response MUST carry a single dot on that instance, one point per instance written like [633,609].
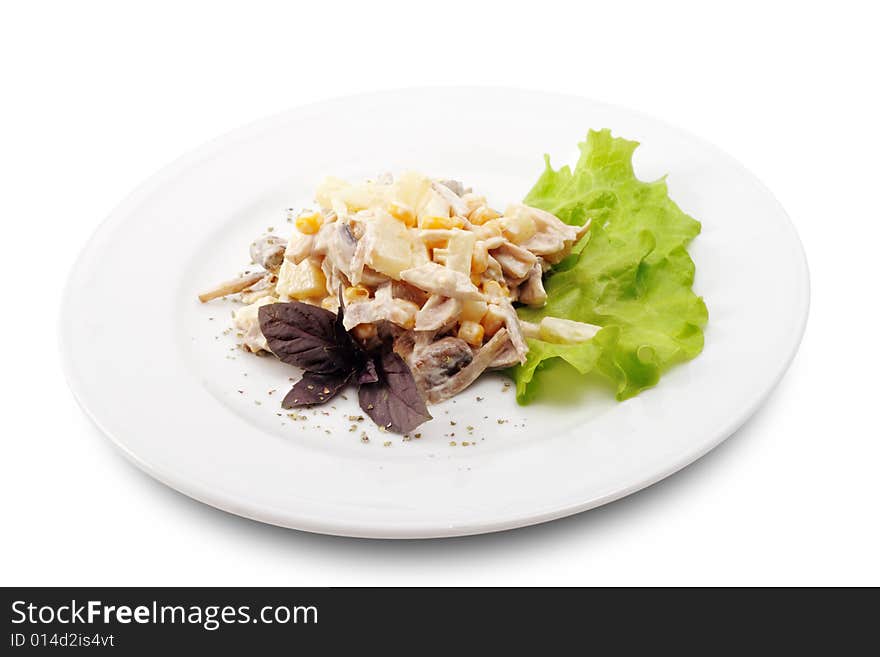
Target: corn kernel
[438,239]
[330,303]
[495,289]
[430,222]
[488,230]
[356,293]
[402,213]
[473,311]
[480,258]
[471,332]
[482,214]
[309,223]
[364,332]
[492,321]
[406,315]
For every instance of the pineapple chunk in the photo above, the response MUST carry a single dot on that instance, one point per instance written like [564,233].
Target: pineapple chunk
[301,281]
[433,205]
[329,190]
[566,331]
[389,245]
[334,193]
[458,252]
[409,188]
[517,225]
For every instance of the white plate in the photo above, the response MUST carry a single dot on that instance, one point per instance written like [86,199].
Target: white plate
[155,371]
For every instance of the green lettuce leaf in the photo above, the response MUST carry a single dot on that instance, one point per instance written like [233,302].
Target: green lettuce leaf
[632,274]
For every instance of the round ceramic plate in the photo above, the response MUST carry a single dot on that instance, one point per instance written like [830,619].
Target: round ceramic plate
[160,373]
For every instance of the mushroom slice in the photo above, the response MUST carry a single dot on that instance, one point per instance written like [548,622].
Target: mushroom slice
[435,363]
[482,359]
[455,186]
[372,278]
[268,252]
[403,290]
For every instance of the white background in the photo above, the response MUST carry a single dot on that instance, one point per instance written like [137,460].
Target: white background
[97,96]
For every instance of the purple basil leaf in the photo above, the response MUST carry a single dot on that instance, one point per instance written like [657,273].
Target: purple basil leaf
[308,337]
[368,373]
[314,389]
[393,401]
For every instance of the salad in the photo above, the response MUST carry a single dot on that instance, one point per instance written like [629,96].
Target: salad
[410,287]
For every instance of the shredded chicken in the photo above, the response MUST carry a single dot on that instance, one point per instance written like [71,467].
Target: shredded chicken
[511,321]
[437,312]
[336,243]
[506,356]
[515,261]
[383,307]
[437,279]
[458,206]
[265,287]
[553,238]
[532,292]
[299,248]
[233,286]
[493,272]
